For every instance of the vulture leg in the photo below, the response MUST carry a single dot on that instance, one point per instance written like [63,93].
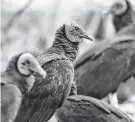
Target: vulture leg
[48,94]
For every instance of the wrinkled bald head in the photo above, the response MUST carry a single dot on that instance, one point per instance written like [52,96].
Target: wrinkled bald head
[119,7]
[28,65]
[67,40]
[75,33]
[122,14]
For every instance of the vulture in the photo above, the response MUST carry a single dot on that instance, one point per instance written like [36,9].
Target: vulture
[16,81]
[102,68]
[122,14]
[79,108]
[48,94]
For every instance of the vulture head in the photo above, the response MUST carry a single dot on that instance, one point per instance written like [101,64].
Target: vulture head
[28,65]
[122,14]
[75,33]
[119,7]
[68,38]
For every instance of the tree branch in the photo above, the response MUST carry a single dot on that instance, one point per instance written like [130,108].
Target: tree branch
[14,19]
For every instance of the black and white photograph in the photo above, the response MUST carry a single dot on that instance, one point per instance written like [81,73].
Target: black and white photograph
[67,61]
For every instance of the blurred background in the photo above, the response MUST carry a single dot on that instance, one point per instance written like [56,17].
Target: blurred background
[30,25]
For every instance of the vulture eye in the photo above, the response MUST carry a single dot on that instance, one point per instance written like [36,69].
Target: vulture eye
[118,5]
[23,63]
[76,28]
[28,62]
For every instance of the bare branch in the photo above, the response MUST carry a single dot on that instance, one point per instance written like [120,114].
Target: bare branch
[14,19]
[17,15]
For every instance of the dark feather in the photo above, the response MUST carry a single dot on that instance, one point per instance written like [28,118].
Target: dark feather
[101,69]
[78,108]
[13,86]
[124,19]
[49,94]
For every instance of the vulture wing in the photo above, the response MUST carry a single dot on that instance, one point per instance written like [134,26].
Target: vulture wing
[101,69]
[78,108]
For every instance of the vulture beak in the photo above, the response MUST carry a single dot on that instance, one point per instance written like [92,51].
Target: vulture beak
[108,12]
[38,70]
[41,72]
[85,35]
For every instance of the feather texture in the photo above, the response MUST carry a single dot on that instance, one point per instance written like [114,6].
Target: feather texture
[14,85]
[108,63]
[79,108]
[125,18]
[49,94]
[104,66]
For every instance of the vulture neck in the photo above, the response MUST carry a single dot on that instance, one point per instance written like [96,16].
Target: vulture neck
[22,81]
[123,20]
[62,45]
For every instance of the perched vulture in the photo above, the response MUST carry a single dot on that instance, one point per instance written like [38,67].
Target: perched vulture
[49,94]
[79,108]
[16,81]
[102,68]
